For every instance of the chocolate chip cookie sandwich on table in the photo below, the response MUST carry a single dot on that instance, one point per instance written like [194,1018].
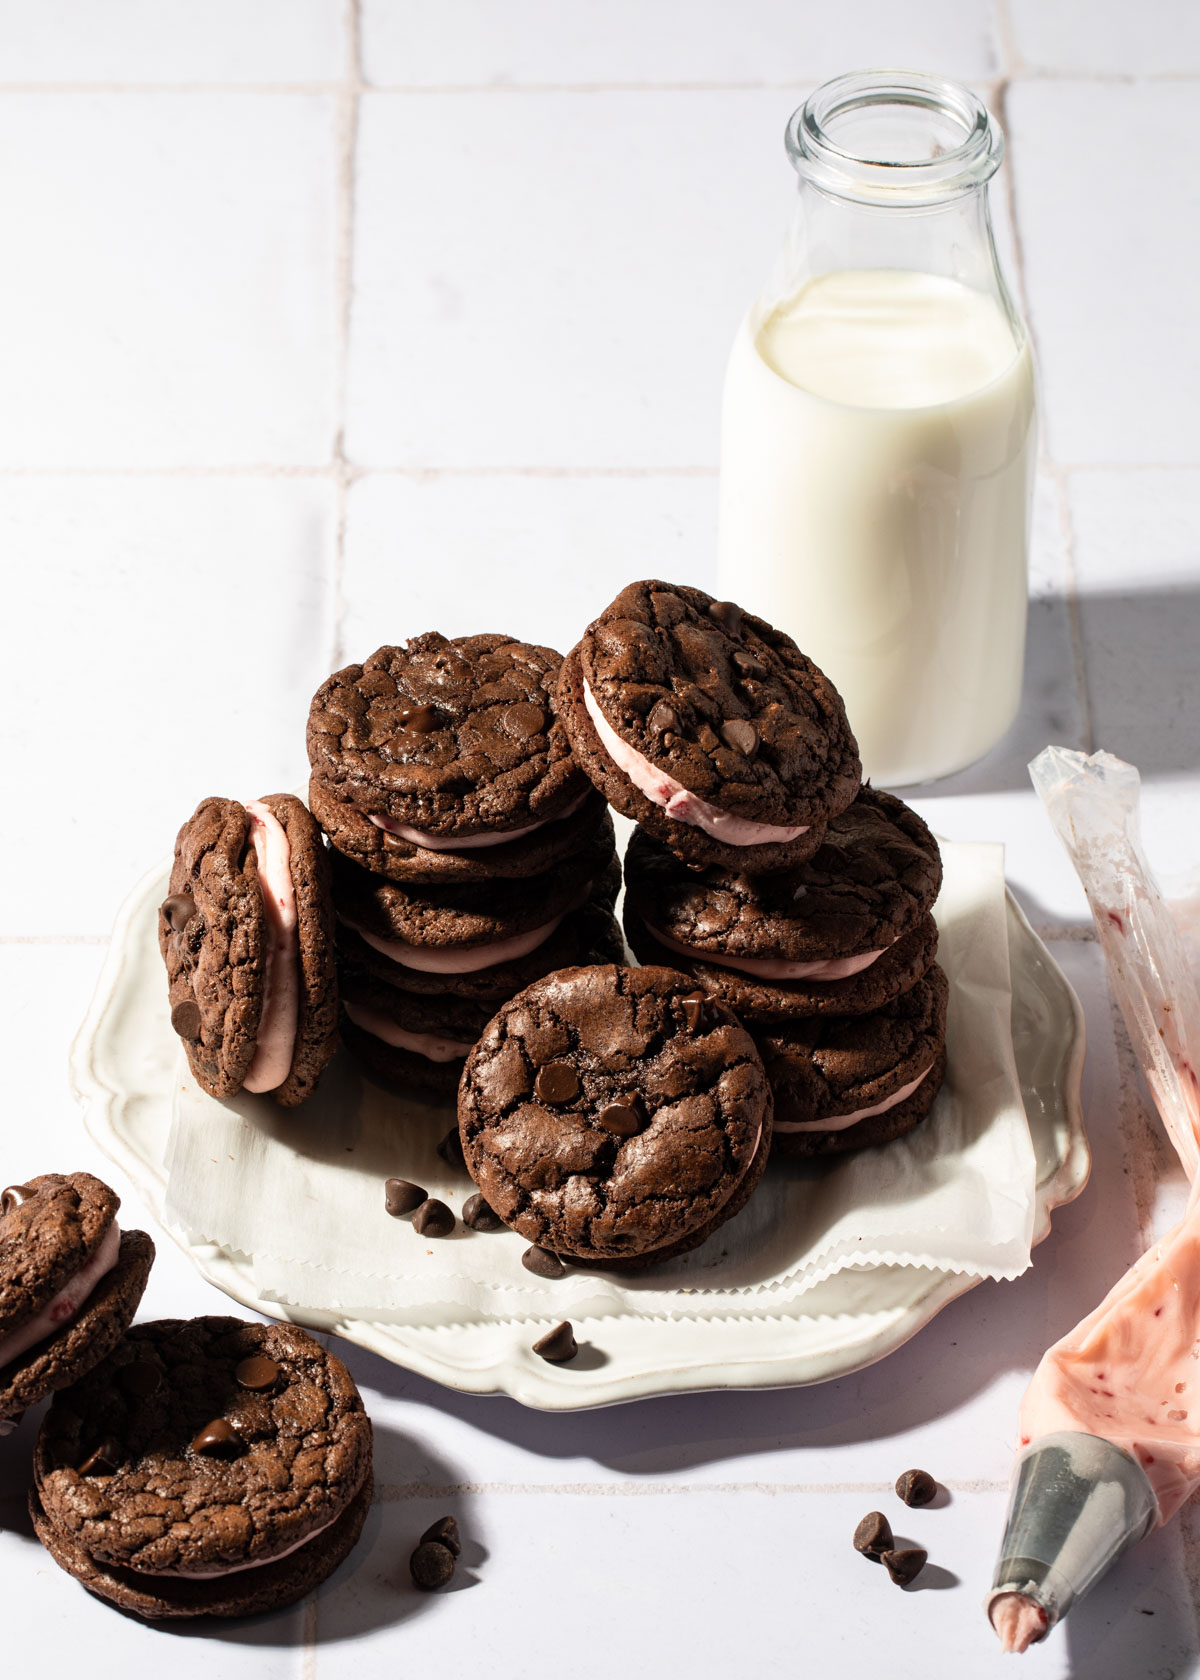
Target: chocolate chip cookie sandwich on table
[615,1117]
[70,1283]
[246,933]
[208,1467]
[709,727]
[843,933]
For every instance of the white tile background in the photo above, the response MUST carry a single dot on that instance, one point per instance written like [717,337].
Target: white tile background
[329,320]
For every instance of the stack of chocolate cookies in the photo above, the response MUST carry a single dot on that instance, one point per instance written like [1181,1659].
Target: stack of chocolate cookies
[470,854]
[760,867]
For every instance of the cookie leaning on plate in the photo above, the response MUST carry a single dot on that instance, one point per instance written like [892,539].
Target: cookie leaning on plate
[246,933]
[208,1467]
[709,727]
[70,1283]
[842,933]
[615,1116]
[845,1083]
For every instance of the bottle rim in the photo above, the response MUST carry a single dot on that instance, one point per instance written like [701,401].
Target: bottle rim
[957,144]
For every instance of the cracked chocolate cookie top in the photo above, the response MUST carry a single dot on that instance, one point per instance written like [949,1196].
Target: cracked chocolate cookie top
[50,1227]
[722,702]
[202,1444]
[453,737]
[876,874]
[607,1112]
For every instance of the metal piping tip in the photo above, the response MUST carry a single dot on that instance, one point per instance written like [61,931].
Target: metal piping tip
[1077,1503]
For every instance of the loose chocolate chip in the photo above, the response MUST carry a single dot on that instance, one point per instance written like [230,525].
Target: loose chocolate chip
[419,720]
[431,1565]
[433,1219]
[623,1118]
[400,1196]
[14,1197]
[557,1082]
[177,910]
[706,739]
[558,1345]
[741,735]
[873,1536]
[904,1566]
[523,720]
[103,1460]
[185,1018]
[478,1215]
[542,1263]
[218,1439]
[444,1532]
[141,1379]
[916,1487]
[257,1372]
[727,614]
[450,1150]
[695,1011]
[663,717]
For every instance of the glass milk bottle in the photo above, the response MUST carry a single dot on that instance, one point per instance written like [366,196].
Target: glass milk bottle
[879,432]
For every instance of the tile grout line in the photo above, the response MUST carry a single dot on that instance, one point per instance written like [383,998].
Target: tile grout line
[344,473]
[55,938]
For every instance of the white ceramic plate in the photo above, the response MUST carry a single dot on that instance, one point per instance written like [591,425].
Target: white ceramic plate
[124,1071]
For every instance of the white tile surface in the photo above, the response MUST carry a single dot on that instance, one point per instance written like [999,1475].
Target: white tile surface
[170,294]
[1108,202]
[465,554]
[559,282]
[132,41]
[194,617]
[460,42]
[1108,36]
[732,1581]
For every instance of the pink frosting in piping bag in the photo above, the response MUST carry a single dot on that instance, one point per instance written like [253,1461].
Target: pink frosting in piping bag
[676,800]
[281,992]
[774,968]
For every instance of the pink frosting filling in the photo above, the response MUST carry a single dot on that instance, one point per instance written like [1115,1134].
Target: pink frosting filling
[234,1568]
[276,1041]
[839,1122]
[66,1303]
[1019,1622]
[676,800]
[432,1046]
[774,968]
[468,959]
[467,842]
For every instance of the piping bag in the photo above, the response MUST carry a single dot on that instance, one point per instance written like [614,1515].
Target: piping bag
[1110,1423]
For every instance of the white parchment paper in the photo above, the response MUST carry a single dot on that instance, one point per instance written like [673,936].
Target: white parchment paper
[300,1193]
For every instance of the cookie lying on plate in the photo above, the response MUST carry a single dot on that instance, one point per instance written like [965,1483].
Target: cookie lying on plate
[70,1283]
[842,933]
[448,745]
[246,934]
[615,1116]
[208,1468]
[709,727]
[844,1083]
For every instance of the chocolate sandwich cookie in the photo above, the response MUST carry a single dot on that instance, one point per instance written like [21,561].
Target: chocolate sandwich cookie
[446,930]
[409,1040]
[841,933]
[70,1283]
[246,934]
[208,1467]
[447,742]
[587,935]
[709,727]
[386,853]
[844,1083]
[614,1116]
